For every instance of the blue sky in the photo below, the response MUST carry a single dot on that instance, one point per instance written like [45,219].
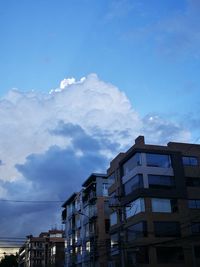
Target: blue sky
[79,81]
[146,48]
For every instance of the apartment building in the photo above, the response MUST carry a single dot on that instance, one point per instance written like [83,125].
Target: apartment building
[46,250]
[86,219]
[155,206]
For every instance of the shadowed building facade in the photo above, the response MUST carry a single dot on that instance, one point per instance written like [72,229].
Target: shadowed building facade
[86,219]
[155,206]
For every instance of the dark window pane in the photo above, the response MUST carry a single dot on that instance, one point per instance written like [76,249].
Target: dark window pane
[169,254]
[134,161]
[111,179]
[194,203]
[133,184]
[114,243]
[167,229]
[158,160]
[197,252]
[161,181]
[193,181]
[140,255]
[190,161]
[195,227]
[137,230]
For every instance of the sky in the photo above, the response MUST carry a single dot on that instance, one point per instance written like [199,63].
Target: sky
[80,80]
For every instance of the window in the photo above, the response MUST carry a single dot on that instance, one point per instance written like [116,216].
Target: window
[189,161]
[140,255]
[164,205]
[197,252]
[167,229]
[70,240]
[92,210]
[70,209]
[111,178]
[170,254]
[53,250]
[195,227]
[193,181]
[158,160]
[113,218]
[135,207]
[130,164]
[133,184]
[92,228]
[88,246]
[87,230]
[105,189]
[77,235]
[137,230]
[107,226]
[161,181]
[114,243]
[113,199]
[194,203]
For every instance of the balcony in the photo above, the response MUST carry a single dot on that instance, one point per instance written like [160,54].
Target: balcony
[114,250]
[92,196]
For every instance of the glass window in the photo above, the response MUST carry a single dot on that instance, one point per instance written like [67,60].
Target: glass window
[194,203]
[195,227]
[113,218]
[161,181]
[105,189]
[167,229]
[158,160]
[133,184]
[193,181]
[197,252]
[87,230]
[169,254]
[137,230]
[111,178]
[114,243]
[164,205]
[135,207]
[113,199]
[130,164]
[88,246]
[140,255]
[92,210]
[189,161]
[77,235]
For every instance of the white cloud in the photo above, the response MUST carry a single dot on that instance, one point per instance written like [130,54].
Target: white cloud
[99,108]
[50,143]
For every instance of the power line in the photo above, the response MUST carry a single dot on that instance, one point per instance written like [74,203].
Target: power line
[32,201]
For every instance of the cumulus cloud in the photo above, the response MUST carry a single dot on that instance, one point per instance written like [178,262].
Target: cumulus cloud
[50,143]
[161,131]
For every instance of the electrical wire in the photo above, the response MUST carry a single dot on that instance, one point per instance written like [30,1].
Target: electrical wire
[32,201]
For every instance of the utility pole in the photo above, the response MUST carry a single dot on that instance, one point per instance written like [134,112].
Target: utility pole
[121,235]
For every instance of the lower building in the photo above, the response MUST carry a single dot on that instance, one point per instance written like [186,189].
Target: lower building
[46,250]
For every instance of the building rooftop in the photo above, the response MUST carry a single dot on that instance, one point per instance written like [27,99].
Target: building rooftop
[92,178]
